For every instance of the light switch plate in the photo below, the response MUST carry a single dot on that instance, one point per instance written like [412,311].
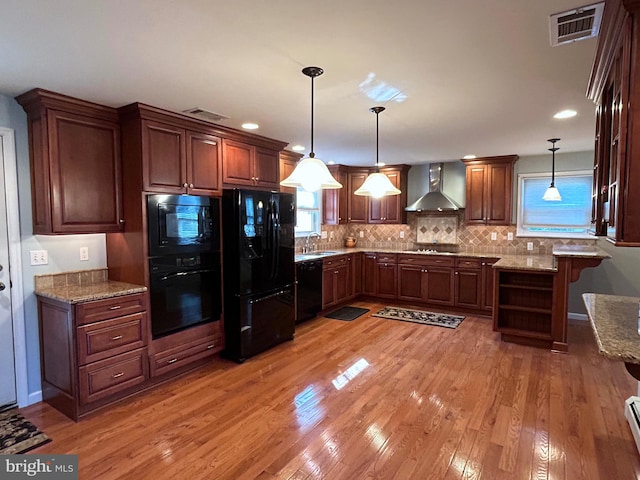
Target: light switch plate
[529,245]
[39,257]
[401,233]
[84,254]
[361,234]
[494,236]
[323,234]
[510,236]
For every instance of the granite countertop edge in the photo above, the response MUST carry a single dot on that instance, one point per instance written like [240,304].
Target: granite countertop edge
[73,294]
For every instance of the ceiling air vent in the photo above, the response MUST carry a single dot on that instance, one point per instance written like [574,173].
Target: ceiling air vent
[205,114]
[574,25]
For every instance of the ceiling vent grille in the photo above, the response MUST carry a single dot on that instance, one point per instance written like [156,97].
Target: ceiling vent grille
[205,114]
[574,25]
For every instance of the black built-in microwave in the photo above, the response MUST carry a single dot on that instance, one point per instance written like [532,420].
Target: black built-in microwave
[179,224]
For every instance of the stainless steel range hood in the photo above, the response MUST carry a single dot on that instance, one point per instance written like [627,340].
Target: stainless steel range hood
[434,200]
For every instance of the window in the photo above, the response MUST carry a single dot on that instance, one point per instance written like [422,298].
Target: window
[308,212]
[568,218]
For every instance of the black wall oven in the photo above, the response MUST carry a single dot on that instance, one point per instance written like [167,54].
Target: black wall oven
[184,262]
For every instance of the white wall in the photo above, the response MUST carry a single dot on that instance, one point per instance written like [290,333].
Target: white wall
[63,250]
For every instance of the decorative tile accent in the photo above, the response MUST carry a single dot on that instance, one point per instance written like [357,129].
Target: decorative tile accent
[439,229]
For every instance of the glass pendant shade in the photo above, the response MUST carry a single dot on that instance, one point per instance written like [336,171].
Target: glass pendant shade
[552,194]
[311,173]
[377,185]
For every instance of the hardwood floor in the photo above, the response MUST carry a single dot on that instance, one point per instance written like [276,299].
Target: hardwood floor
[371,398]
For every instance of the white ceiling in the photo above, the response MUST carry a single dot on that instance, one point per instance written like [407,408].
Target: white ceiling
[478,76]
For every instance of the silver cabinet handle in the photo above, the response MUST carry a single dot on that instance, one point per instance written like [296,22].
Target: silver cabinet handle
[173,360]
[115,307]
[209,347]
[185,184]
[116,337]
[191,185]
[117,375]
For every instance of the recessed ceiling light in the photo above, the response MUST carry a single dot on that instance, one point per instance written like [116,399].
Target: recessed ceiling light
[380,164]
[298,148]
[250,126]
[331,162]
[565,114]
[469,157]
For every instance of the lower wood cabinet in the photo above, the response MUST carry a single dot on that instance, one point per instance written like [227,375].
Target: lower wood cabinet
[336,284]
[486,299]
[92,353]
[468,282]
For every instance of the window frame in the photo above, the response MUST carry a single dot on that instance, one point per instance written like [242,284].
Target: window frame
[519,207]
[318,225]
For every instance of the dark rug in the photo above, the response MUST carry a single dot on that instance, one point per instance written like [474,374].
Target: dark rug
[420,316]
[17,435]
[347,313]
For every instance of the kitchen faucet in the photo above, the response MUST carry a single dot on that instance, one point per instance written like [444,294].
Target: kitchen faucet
[305,248]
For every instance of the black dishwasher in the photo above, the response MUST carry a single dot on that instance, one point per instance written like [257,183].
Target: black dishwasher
[309,296]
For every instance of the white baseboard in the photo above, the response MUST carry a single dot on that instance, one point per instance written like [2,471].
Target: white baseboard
[577,316]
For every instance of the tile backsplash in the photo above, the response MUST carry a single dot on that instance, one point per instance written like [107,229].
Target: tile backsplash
[470,238]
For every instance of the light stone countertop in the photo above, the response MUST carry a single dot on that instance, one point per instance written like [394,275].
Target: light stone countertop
[86,293]
[614,320]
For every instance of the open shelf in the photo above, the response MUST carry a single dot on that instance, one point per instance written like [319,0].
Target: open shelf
[527,279]
[525,287]
[518,308]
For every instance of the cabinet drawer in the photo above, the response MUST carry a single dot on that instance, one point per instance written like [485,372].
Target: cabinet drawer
[89,312]
[107,338]
[334,262]
[106,377]
[426,260]
[469,263]
[387,258]
[163,362]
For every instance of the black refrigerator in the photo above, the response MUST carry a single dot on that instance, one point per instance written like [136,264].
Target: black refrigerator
[259,270]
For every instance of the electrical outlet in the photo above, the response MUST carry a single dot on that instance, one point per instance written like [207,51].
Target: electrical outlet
[494,236]
[331,235]
[361,234]
[401,233]
[529,245]
[84,254]
[323,234]
[510,236]
[39,257]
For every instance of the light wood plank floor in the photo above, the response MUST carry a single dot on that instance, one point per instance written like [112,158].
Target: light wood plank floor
[371,398]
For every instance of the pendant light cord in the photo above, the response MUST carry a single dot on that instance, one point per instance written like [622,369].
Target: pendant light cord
[311,154]
[377,142]
[553,150]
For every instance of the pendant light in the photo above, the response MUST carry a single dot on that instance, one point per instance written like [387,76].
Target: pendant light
[311,173]
[552,194]
[377,184]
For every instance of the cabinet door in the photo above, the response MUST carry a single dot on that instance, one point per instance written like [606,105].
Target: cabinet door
[341,283]
[439,286]
[328,287]
[355,262]
[163,153]
[357,208]
[387,280]
[266,168]
[387,209]
[410,279]
[369,274]
[203,164]
[237,163]
[476,192]
[467,286]
[287,166]
[498,207]
[85,169]
[334,201]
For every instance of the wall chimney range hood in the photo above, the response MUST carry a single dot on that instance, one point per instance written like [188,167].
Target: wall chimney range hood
[434,200]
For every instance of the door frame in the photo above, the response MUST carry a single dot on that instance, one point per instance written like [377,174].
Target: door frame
[15,263]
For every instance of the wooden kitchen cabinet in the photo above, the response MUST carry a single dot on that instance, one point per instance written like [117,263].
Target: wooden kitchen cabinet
[355,261]
[488,190]
[387,275]
[358,206]
[250,166]
[614,86]
[92,353]
[468,282]
[391,209]
[336,284]
[177,160]
[335,201]
[288,162]
[369,271]
[76,165]
[486,299]
[426,279]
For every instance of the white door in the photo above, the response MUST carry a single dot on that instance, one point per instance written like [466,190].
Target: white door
[7,357]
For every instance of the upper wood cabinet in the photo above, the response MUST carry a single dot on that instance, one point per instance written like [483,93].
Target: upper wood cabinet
[288,162]
[391,209]
[171,155]
[248,165]
[614,86]
[488,193]
[335,201]
[342,206]
[74,149]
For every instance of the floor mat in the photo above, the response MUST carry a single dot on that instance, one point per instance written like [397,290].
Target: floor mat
[347,313]
[17,435]
[420,316]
